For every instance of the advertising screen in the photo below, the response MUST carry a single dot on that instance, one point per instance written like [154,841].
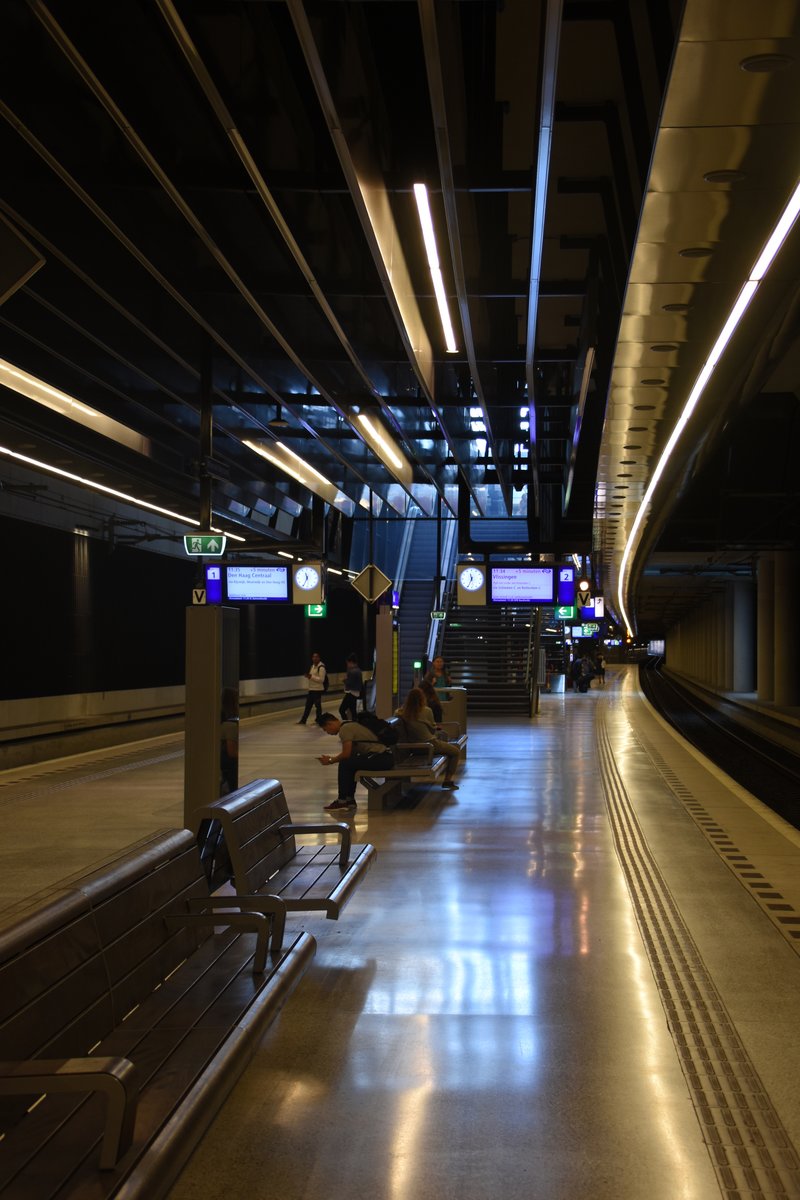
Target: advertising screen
[257,583]
[522,585]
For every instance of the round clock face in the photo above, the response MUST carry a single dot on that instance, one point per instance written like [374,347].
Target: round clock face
[471,579]
[307,578]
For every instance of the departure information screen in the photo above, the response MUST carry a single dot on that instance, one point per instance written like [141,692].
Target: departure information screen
[254,584]
[522,585]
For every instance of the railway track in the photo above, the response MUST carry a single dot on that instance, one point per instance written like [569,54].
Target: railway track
[767,769]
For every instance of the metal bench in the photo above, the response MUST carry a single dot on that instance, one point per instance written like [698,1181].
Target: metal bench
[248,837]
[130,1018]
[415,763]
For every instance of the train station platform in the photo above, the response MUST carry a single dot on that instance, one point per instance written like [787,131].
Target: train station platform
[575,976]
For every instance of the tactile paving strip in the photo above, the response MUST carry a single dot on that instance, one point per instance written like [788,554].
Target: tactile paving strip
[749,1147]
[783,915]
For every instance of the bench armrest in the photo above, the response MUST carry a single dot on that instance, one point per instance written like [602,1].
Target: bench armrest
[253,921]
[257,904]
[340,828]
[116,1077]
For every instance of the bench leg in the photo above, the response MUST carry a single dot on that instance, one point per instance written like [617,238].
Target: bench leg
[378,794]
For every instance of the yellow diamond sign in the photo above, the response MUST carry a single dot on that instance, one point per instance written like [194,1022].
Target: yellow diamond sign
[371,583]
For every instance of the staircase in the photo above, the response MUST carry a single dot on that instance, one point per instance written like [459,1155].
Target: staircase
[486,650]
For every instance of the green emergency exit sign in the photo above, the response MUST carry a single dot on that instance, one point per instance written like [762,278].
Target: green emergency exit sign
[208,544]
[317,610]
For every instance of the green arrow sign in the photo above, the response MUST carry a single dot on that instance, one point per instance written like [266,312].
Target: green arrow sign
[438,614]
[566,612]
[209,544]
[317,610]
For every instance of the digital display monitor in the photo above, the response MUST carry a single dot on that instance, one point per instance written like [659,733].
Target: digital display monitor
[565,594]
[521,585]
[214,583]
[244,584]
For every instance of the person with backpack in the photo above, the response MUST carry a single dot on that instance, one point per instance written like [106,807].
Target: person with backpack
[317,683]
[361,750]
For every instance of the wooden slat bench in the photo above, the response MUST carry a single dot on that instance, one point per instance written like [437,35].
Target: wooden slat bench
[132,1018]
[415,763]
[249,838]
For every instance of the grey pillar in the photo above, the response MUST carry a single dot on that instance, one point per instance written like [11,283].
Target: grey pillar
[212,706]
[765,628]
[786,642]
[744,638]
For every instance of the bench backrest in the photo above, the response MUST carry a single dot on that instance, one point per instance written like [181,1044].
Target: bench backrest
[247,827]
[72,968]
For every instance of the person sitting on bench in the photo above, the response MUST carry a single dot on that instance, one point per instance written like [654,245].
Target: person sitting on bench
[360,751]
[421,727]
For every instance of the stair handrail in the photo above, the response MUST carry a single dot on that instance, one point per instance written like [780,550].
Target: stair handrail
[403,555]
[444,596]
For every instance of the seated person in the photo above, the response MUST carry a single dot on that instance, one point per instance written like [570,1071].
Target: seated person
[360,751]
[432,700]
[421,727]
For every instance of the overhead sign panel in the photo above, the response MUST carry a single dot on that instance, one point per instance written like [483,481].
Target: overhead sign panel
[371,583]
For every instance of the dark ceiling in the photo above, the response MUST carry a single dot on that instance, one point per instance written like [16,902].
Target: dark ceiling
[219,193]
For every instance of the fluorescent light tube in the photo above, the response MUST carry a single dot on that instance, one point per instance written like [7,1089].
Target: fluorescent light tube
[377,435]
[429,238]
[20,381]
[109,491]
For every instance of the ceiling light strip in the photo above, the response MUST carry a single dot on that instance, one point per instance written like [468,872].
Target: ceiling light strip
[552,42]
[429,238]
[24,384]
[748,290]
[389,455]
[109,491]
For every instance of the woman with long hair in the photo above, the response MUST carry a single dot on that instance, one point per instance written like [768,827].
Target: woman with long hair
[421,727]
[431,699]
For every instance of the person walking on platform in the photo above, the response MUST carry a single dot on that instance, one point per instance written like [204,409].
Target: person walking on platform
[360,751]
[353,684]
[437,676]
[421,727]
[317,683]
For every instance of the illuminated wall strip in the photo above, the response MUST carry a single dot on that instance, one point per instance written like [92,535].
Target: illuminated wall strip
[746,294]
[109,491]
[429,238]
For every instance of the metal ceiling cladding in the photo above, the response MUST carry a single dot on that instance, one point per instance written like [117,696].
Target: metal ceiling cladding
[236,232]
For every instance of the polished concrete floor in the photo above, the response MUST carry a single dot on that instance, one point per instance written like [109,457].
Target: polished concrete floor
[577,976]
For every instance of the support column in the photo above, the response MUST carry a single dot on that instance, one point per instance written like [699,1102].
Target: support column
[744,648]
[212,706]
[765,627]
[786,642]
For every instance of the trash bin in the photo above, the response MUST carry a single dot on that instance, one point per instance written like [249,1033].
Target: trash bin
[557,682]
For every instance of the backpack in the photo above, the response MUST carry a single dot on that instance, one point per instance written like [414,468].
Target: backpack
[325,682]
[384,732]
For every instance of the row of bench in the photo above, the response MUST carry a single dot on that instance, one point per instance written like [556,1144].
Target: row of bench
[131,1001]
[414,763]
